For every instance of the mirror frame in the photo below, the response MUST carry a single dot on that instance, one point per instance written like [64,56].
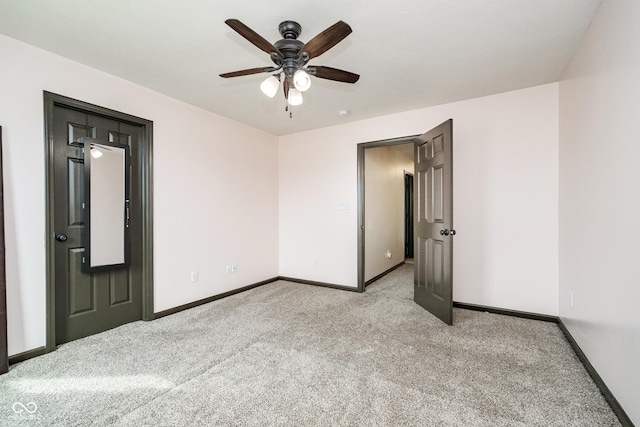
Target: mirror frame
[86,236]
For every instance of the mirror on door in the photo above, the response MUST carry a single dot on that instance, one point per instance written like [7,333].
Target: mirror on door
[106,205]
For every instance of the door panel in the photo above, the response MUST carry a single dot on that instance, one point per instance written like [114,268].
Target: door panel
[77,131]
[81,289]
[437,189]
[433,285]
[90,303]
[436,254]
[75,175]
[119,288]
[422,192]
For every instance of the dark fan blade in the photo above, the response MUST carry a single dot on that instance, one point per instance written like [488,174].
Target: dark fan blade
[248,72]
[334,74]
[255,38]
[326,39]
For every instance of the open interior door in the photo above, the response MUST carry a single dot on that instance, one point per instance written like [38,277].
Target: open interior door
[433,222]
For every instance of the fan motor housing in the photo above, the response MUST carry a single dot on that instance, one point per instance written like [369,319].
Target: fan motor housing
[290,48]
[290,29]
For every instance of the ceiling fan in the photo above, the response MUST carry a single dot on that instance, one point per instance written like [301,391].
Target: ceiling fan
[291,57]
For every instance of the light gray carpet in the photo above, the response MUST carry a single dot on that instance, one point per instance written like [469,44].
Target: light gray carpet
[292,354]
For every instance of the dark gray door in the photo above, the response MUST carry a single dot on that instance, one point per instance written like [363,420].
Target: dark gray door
[90,303]
[433,219]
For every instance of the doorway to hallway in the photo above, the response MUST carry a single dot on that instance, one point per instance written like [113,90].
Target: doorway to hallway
[432,222]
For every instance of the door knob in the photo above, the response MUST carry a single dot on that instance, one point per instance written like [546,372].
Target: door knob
[444,232]
[61,237]
[453,232]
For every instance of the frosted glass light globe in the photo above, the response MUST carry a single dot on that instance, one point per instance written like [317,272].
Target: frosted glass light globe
[270,86]
[301,80]
[295,97]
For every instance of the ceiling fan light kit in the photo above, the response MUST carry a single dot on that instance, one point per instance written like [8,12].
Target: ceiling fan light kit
[291,57]
[270,85]
[295,97]
[301,80]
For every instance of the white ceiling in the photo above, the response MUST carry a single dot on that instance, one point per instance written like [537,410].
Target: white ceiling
[409,53]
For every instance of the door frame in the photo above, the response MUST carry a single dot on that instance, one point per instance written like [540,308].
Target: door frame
[52,100]
[4,345]
[361,195]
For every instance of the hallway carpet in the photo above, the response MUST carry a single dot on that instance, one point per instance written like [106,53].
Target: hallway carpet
[297,355]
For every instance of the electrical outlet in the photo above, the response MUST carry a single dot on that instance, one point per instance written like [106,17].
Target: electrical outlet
[388,254]
[228,269]
[195,276]
[234,268]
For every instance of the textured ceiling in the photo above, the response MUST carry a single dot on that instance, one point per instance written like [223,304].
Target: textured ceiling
[409,53]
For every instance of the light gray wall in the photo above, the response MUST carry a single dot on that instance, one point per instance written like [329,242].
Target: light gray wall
[600,198]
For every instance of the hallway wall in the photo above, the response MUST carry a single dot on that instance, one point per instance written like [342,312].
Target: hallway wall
[384,208]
